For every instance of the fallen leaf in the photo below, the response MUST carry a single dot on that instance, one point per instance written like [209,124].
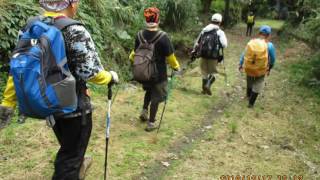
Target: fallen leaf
[166,164]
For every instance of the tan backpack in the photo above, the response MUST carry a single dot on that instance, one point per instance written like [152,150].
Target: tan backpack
[144,65]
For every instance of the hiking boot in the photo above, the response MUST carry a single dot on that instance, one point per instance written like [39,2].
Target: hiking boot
[252,99]
[87,161]
[204,82]
[151,127]
[144,115]
[22,119]
[209,83]
[5,116]
[249,92]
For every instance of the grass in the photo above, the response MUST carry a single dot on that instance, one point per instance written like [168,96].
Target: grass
[241,141]
[279,137]
[233,127]
[274,24]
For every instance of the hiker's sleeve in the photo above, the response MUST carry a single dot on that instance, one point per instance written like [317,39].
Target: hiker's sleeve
[166,46]
[168,52]
[242,59]
[136,45]
[131,56]
[223,39]
[196,43]
[272,54]
[9,95]
[83,56]
[173,62]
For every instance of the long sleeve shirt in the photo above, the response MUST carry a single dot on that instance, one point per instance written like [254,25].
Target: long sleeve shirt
[208,28]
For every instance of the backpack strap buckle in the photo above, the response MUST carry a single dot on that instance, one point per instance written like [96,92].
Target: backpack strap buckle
[34,42]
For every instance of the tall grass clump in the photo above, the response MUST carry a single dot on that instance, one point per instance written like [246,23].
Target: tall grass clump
[304,22]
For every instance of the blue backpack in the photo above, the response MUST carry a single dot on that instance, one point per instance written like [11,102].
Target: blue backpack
[43,82]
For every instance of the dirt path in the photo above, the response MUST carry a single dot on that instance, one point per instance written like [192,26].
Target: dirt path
[265,142]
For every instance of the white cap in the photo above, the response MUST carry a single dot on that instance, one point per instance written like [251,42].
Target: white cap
[217,18]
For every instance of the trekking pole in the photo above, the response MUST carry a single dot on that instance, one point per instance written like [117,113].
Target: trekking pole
[115,95]
[225,73]
[170,85]
[108,119]
[225,70]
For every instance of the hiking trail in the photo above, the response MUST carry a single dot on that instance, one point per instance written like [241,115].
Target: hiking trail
[202,137]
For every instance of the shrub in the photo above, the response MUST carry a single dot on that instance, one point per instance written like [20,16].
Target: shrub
[13,16]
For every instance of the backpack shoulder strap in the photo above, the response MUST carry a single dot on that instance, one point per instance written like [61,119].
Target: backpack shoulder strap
[64,22]
[141,38]
[30,21]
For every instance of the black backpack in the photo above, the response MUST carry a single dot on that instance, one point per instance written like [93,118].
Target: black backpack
[210,45]
[144,65]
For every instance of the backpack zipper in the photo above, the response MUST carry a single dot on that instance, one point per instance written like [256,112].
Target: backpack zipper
[29,108]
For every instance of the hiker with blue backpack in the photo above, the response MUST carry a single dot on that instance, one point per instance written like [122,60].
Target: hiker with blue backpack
[257,61]
[54,59]
[153,50]
[209,47]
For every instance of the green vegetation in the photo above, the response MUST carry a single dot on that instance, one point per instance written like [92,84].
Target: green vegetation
[305,23]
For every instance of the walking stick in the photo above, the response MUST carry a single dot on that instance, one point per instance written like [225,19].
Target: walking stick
[115,95]
[164,109]
[166,101]
[108,119]
[225,70]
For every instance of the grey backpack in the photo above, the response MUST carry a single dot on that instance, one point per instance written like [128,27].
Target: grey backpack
[144,66]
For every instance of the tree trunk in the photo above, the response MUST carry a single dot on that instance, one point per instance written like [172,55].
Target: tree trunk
[206,4]
[226,13]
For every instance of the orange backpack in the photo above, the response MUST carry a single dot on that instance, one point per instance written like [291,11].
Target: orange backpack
[256,58]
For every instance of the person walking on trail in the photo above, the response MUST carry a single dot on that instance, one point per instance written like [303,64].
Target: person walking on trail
[153,50]
[250,23]
[73,130]
[209,46]
[257,61]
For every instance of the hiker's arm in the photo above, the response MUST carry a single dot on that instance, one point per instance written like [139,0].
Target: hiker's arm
[136,45]
[131,56]
[173,62]
[223,39]
[9,95]
[241,59]
[196,44]
[272,55]
[168,51]
[83,55]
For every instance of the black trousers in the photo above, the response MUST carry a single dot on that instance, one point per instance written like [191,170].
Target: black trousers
[153,106]
[249,29]
[73,138]
[155,94]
